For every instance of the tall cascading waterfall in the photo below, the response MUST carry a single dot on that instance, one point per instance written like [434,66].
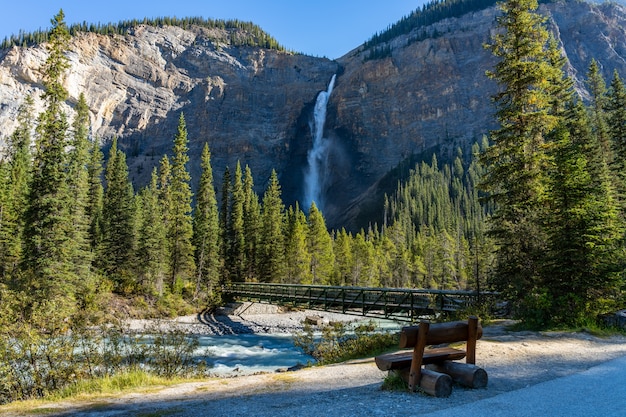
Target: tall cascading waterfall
[318,155]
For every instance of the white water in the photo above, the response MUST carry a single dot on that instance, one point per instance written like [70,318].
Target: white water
[246,354]
[251,353]
[317,157]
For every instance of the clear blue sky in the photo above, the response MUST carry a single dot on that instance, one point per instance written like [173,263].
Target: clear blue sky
[317,27]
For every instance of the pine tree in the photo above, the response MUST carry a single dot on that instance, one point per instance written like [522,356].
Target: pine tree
[6,226]
[180,229]
[583,225]
[616,107]
[252,227]
[118,223]
[224,218]
[383,250]
[320,247]
[398,256]
[78,183]
[15,184]
[597,89]
[516,161]
[297,257]
[272,249]
[561,85]
[206,234]
[236,255]
[96,195]
[165,200]
[363,272]
[342,248]
[152,240]
[48,225]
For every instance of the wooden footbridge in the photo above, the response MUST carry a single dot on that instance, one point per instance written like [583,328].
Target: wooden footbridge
[392,303]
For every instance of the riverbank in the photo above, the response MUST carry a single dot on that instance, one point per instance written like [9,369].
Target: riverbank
[513,361]
[241,318]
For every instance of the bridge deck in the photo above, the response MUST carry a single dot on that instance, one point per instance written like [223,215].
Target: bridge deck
[397,303]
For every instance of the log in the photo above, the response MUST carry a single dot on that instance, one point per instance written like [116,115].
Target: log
[400,360]
[455,331]
[434,383]
[465,374]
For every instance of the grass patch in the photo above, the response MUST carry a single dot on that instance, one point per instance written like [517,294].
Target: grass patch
[590,326]
[95,389]
[115,384]
[394,382]
[285,378]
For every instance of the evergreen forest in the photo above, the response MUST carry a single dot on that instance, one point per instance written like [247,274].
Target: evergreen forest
[535,212]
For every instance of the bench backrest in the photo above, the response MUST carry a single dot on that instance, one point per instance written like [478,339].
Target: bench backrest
[433,334]
[438,333]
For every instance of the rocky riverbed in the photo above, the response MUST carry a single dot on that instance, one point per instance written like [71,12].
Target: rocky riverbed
[244,318]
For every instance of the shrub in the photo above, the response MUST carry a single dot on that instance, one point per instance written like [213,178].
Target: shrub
[337,345]
[35,363]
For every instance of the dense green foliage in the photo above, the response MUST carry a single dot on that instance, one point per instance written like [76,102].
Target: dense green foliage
[557,222]
[241,33]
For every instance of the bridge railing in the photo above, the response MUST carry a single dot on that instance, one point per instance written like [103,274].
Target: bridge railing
[398,303]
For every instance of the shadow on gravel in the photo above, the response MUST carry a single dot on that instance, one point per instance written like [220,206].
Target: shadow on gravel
[299,402]
[222,324]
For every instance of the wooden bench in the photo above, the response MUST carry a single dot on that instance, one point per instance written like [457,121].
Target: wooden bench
[437,378]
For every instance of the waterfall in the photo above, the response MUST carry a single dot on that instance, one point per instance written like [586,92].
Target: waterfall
[317,157]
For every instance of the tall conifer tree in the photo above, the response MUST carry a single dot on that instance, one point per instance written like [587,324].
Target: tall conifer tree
[118,222]
[48,225]
[152,241]
[180,232]
[516,161]
[15,184]
[583,225]
[78,183]
[616,107]
[206,233]
[272,262]
[96,195]
[320,247]
[224,217]
[297,256]
[363,272]
[236,255]
[252,226]
[344,258]
[597,89]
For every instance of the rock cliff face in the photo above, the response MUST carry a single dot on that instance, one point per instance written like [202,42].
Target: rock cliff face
[246,103]
[434,93]
[255,105]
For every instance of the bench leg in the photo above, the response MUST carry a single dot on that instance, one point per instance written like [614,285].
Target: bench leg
[418,355]
[472,335]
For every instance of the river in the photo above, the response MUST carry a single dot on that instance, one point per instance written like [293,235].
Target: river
[243,354]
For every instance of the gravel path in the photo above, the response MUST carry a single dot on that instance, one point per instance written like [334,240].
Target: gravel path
[513,360]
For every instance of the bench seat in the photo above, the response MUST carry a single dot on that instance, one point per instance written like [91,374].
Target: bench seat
[402,360]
